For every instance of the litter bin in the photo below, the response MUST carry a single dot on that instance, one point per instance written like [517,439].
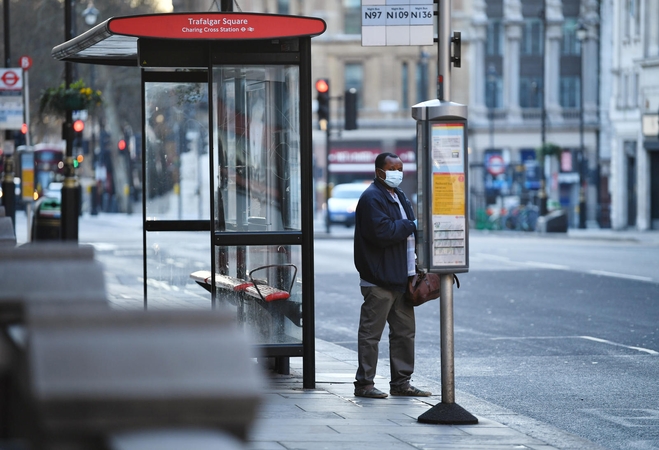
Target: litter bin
[554,222]
[47,220]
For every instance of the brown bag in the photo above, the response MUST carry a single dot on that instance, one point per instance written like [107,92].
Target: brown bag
[423,287]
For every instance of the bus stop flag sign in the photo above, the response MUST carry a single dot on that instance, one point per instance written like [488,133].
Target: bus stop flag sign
[11,99]
[391,23]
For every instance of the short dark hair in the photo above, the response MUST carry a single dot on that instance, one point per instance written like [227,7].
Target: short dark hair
[381,159]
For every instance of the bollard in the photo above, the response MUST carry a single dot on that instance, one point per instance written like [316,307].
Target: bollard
[8,192]
[7,233]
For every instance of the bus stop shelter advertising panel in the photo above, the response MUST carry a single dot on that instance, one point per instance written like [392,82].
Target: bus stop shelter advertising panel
[226,164]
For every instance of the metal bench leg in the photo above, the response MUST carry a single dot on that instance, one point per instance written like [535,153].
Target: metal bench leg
[283,365]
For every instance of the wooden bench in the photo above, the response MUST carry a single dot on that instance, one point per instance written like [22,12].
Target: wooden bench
[258,290]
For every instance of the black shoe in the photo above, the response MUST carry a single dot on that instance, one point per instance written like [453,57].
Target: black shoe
[370,393]
[409,391]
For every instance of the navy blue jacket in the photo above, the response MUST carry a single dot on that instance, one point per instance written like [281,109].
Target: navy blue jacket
[380,246]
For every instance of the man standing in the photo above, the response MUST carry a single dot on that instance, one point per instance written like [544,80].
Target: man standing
[384,251]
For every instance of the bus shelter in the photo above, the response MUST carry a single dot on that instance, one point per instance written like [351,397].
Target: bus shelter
[227,165]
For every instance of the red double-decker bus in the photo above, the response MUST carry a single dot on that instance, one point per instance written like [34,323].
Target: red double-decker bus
[48,168]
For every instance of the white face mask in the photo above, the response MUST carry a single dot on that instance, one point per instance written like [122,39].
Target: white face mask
[393,178]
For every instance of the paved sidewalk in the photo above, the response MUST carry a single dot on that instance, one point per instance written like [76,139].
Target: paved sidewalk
[331,417]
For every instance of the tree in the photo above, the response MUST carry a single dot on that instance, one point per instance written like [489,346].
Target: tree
[120,85]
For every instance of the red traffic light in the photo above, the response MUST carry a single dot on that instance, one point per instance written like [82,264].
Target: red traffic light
[121,145]
[322,86]
[24,128]
[78,126]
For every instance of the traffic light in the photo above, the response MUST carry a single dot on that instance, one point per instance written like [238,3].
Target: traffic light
[20,136]
[78,127]
[350,115]
[121,145]
[323,97]
[77,161]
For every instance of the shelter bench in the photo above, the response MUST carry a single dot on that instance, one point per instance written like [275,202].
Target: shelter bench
[268,297]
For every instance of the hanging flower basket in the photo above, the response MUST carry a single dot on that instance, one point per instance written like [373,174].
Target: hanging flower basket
[548,149]
[74,98]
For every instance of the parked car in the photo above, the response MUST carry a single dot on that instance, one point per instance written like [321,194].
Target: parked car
[343,201]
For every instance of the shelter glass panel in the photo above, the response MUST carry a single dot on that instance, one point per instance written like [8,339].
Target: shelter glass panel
[263,285]
[170,257]
[257,132]
[176,151]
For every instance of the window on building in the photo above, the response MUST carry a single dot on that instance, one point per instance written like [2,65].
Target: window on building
[623,90]
[405,79]
[493,93]
[531,43]
[636,13]
[354,78]
[530,92]
[626,17]
[494,38]
[283,6]
[493,88]
[422,80]
[651,38]
[570,44]
[352,10]
[570,92]
[632,102]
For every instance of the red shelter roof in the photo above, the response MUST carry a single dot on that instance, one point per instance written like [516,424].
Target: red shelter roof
[114,42]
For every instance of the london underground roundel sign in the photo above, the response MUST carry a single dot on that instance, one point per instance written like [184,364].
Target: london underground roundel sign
[496,165]
[11,79]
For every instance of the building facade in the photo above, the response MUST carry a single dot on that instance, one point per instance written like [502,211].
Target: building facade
[578,79]
[535,86]
[630,137]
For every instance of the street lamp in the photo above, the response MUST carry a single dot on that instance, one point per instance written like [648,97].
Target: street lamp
[71,188]
[491,83]
[582,36]
[90,16]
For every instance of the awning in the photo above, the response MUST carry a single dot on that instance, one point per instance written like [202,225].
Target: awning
[114,42]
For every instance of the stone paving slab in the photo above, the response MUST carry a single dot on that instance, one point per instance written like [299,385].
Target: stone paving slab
[331,417]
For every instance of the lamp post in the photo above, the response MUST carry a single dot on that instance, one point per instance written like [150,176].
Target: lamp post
[70,188]
[542,195]
[582,36]
[71,198]
[90,16]
[491,82]
[9,196]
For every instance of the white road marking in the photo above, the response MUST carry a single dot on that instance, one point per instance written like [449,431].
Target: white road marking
[543,265]
[604,341]
[589,338]
[619,275]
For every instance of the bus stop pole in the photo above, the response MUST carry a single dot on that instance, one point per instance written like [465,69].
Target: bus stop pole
[446,337]
[447,412]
